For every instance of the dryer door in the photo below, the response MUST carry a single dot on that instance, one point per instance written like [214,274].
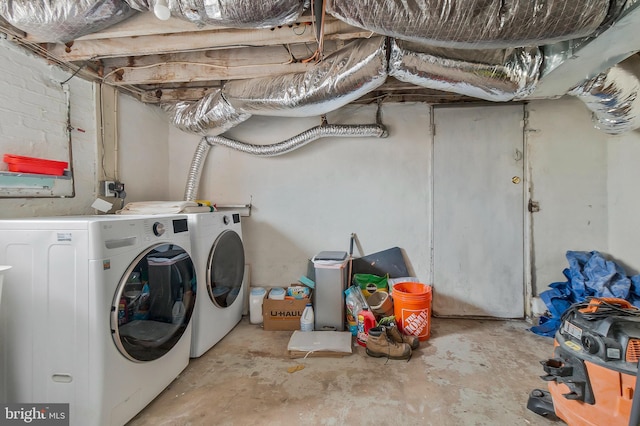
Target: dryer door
[153,303]
[225,269]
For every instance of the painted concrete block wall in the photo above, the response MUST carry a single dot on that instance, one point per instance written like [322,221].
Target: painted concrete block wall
[624,203]
[312,199]
[568,164]
[143,155]
[32,122]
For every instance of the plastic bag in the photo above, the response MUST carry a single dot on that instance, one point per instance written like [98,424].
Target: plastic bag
[354,303]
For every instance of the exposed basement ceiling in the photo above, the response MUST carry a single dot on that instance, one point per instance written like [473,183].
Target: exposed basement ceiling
[164,61]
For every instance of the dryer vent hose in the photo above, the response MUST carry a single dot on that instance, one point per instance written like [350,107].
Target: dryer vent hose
[325,130]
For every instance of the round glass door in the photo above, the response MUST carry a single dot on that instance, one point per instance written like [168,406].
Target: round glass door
[153,303]
[225,269]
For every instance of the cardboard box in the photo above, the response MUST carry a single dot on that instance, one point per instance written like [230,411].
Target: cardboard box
[285,314]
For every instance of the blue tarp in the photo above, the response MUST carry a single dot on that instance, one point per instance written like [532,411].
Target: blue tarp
[589,274]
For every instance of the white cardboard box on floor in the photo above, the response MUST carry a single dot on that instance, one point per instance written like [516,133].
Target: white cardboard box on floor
[320,343]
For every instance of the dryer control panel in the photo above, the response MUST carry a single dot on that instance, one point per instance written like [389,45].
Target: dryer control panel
[158,229]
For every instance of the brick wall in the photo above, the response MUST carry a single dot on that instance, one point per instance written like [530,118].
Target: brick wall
[33,115]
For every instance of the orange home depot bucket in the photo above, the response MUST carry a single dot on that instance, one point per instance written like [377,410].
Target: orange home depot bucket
[412,309]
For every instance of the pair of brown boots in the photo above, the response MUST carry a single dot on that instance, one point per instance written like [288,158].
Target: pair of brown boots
[388,342]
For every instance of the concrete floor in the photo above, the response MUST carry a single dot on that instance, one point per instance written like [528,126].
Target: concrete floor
[470,372]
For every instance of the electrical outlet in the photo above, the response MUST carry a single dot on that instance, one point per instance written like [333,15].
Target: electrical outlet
[107,188]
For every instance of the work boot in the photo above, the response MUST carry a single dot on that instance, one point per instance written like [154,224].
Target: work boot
[394,333]
[379,344]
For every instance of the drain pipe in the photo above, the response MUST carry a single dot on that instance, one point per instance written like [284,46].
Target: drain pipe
[324,130]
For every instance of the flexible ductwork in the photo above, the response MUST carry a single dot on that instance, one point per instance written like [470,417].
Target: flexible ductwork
[298,141]
[232,13]
[210,115]
[475,24]
[558,53]
[340,78]
[614,97]
[495,75]
[63,20]
[195,170]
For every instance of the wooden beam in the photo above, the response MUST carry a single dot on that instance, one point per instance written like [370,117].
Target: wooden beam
[174,95]
[224,64]
[10,29]
[392,90]
[180,72]
[82,50]
[145,24]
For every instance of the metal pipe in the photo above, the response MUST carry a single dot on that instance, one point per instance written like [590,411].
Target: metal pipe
[67,94]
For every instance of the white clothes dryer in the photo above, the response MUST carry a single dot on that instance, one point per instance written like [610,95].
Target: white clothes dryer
[218,252]
[97,312]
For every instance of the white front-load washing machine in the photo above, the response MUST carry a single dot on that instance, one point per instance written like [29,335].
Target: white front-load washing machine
[218,253]
[97,312]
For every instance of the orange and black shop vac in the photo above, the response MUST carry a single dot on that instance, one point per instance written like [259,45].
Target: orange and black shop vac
[593,373]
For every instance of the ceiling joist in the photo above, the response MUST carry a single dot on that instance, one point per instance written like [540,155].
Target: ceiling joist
[82,50]
[223,64]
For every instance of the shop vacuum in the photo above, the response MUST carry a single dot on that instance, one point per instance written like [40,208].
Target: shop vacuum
[593,374]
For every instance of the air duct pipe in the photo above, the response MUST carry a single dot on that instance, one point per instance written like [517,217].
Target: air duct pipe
[210,115]
[342,77]
[63,20]
[474,24]
[614,97]
[230,13]
[291,144]
[498,75]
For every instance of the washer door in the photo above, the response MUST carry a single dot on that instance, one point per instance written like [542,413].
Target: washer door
[225,269]
[153,303]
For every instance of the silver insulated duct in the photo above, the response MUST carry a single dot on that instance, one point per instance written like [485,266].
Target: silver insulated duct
[498,75]
[614,97]
[475,24]
[210,115]
[232,13]
[141,5]
[340,78]
[63,20]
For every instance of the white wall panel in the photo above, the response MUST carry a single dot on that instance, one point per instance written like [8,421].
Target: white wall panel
[313,199]
[143,154]
[568,169]
[624,200]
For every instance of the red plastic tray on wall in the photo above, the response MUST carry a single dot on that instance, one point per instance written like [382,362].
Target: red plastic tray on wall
[21,164]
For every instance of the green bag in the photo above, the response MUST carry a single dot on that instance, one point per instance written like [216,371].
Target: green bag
[370,283]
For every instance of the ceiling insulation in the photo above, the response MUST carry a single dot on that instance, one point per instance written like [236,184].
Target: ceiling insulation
[218,61]
[497,75]
[475,24]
